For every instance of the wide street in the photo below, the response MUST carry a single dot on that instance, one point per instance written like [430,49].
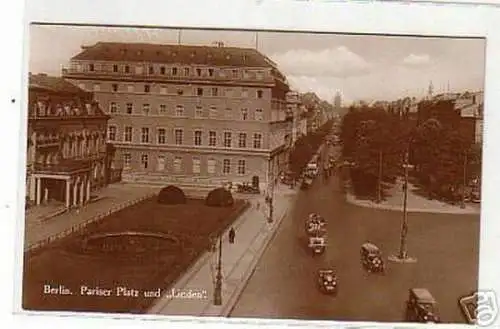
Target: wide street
[284,282]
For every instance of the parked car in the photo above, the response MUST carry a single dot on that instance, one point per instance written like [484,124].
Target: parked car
[371,258]
[327,281]
[421,306]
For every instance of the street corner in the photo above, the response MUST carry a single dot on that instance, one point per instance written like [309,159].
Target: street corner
[480,307]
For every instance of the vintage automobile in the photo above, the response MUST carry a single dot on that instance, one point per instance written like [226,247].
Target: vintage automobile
[327,281]
[371,258]
[421,306]
[306,183]
[317,244]
[315,227]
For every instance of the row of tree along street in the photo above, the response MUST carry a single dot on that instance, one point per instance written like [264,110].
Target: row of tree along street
[306,146]
[378,143]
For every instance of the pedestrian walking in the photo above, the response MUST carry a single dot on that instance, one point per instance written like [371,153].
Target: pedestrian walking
[232,235]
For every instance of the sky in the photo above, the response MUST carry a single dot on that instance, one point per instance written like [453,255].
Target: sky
[360,67]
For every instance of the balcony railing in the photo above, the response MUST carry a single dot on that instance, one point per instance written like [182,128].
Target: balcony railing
[71,72]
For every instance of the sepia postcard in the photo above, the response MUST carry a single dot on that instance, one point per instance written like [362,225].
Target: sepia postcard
[253,174]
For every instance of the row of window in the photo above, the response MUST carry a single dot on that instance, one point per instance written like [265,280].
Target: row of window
[198,140]
[177,164]
[179,90]
[173,71]
[199,111]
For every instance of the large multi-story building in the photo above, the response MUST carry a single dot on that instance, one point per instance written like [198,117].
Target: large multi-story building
[66,147]
[188,114]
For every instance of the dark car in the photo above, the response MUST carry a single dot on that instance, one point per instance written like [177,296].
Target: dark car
[371,258]
[421,306]
[327,281]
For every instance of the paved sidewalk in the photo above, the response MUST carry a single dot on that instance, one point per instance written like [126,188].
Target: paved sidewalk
[415,202]
[253,234]
[111,197]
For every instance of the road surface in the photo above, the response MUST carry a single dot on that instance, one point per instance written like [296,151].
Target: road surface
[283,284]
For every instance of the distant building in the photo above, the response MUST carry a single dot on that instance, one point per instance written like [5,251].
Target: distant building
[337,102]
[196,115]
[67,155]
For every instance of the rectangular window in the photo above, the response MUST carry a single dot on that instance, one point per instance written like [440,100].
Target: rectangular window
[179,111]
[235,74]
[114,87]
[215,91]
[179,136]
[112,133]
[211,166]
[213,112]
[163,109]
[257,141]
[196,165]
[227,139]
[127,69]
[259,114]
[228,114]
[115,68]
[199,91]
[127,136]
[144,161]
[211,72]
[186,71]
[226,166]
[144,135]
[160,165]
[130,88]
[130,108]
[260,93]
[127,159]
[113,107]
[177,164]
[162,70]
[244,114]
[162,136]
[145,109]
[242,140]
[91,67]
[174,71]
[212,138]
[198,112]
[241,167]
[197,138]
[151,70]
[97,87]
[198,72]
[147,88]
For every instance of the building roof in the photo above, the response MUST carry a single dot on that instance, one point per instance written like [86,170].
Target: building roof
[53,84]
[179,54]
[470,111]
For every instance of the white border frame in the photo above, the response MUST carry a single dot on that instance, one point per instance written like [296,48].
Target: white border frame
[386,18]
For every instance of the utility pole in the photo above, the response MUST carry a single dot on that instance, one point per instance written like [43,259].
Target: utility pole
[218,277]
[379,187]
[462,205]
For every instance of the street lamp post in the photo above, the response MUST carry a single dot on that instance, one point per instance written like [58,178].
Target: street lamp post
[379,186]
[402,256]
[462,205]
[218,277]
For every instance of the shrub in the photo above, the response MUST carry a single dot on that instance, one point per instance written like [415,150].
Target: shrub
[171,195]
[220,197]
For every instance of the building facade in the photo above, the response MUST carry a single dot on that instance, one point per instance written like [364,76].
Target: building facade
[188,114]
[66,146]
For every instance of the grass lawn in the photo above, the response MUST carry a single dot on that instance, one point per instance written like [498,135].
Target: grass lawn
[64,263]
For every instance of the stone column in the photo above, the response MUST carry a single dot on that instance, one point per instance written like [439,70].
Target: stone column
[88,188]
[32,190]
[68,193]
[75,193]
[82,190]
[38,190]
[45,195]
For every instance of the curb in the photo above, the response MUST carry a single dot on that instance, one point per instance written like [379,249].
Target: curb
[226,311]
[352,200]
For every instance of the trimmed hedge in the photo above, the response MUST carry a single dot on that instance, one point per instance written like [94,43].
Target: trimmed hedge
[171,195]
[220,197]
